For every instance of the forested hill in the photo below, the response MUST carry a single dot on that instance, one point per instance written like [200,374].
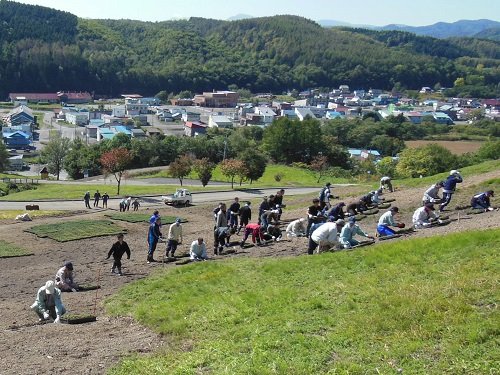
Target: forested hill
[46,50]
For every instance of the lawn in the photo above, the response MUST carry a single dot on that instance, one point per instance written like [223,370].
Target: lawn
[8,250]
[423,306]
[76,230]
[139,218]
[290,176]
[11,214]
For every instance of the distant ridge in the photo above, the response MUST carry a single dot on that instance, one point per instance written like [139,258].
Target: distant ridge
[240,16]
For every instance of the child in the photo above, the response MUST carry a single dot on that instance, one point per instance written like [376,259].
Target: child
[117,250]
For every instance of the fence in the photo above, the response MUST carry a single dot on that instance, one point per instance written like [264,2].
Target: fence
[20,180]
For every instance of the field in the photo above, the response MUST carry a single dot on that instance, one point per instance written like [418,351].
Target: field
[456,147]
[425,303]
[76,230]
[8,250]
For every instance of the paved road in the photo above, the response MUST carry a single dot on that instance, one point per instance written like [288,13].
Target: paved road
[198,197]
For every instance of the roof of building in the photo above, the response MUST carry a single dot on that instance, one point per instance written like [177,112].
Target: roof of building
[122,129]
[221,119]
[34,96]
[15,134]
[21,109]
[195,124]
[75,95]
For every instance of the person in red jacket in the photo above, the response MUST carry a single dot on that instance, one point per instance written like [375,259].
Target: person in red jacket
[257,232]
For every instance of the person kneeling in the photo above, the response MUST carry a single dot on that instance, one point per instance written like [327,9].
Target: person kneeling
[348,231]
[48,303]
[424,216]
[198,250]
[325,236]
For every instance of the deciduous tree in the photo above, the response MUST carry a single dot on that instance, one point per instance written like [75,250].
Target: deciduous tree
[4,158]
[180,167]
[116,162]
[53,154]
[232,168]
[204,168]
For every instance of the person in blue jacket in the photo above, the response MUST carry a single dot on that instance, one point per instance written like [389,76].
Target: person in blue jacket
[449,188]
[154,235]
[482,201]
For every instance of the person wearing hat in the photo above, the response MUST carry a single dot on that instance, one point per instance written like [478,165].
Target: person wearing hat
[424,216]
[296,228]
[325,195]
[245,216]
[174,237]
[117,250]
[431,195]
[349,231]
[386,221]
[48,303]
[482,201]
[86,198]
[325,236]
[449,188]
[64,278]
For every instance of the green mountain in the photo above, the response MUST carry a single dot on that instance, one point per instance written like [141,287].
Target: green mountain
[42,49]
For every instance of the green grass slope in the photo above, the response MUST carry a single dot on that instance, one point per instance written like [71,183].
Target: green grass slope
[426,306]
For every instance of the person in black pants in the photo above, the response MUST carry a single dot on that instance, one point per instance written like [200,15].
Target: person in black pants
[313,215]
[97,196]
[117,250]
[245,216]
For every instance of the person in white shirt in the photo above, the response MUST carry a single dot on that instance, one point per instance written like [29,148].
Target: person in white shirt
[386,221]
[174,237]
[325,235]
[349,231]
[296,228]
[431,195]
[423,216]
[198,250]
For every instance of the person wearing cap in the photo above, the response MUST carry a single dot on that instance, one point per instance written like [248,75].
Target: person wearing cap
[325,236]
[198,250]
[105,198]
[482,201]
[48,303]
[325,195]
[245,216]
[64,278]
[424,216]
[337,211]
[117,250]
[234,211]
[174,237]
[296,228]
[349,231]
[449,188]
[154,235]
[86,198]
[385,183]
[386,221]
[431,195]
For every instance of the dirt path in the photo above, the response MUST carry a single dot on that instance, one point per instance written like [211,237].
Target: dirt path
[29,348]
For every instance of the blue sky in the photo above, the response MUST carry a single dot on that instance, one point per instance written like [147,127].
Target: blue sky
[372,12]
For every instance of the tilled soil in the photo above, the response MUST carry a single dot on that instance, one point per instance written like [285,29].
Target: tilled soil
[27,347]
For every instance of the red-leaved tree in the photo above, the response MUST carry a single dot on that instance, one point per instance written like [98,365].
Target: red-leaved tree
[116,162]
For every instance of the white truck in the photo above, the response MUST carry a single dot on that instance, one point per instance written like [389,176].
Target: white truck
[182,197]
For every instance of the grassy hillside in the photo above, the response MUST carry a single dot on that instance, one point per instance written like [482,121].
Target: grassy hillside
[425,306]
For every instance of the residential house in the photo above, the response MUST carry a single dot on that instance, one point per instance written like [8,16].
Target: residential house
[150,101]
[138,133]
[16,140]
[219,121]
[20,115]
[344,89]
[268,115]
[190,116]
[363,154]
[331,115]
[217,99]
[16,163]
[104,133]
[119,111]
[289,113]
[252,119]
[183,102]
[134,107]
[79,118]
[303,112]
[442,118]
[414,117]
[194,128]
[153,132]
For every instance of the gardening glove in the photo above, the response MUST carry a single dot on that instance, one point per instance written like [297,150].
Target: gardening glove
[58,319]
[46,315]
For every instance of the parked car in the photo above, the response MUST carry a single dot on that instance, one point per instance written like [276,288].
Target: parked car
[182,197]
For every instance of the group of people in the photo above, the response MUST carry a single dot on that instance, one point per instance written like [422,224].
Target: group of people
[97,198]
[48,304]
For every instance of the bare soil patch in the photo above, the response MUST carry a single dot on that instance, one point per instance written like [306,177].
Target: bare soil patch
[30,348]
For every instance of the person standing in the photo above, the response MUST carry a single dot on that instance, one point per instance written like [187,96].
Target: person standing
[86,198]
[136,204]
[449,188]
[313,215]
[278,199]
[117,250]
[154,235]
[127,203]
[105,198]
[97,197]
[245,216]
[174,237]
[264,206]
[234,210]
[64,278]
[349,231]
[48,303]
[220,222]
[198,250]
[325,195]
